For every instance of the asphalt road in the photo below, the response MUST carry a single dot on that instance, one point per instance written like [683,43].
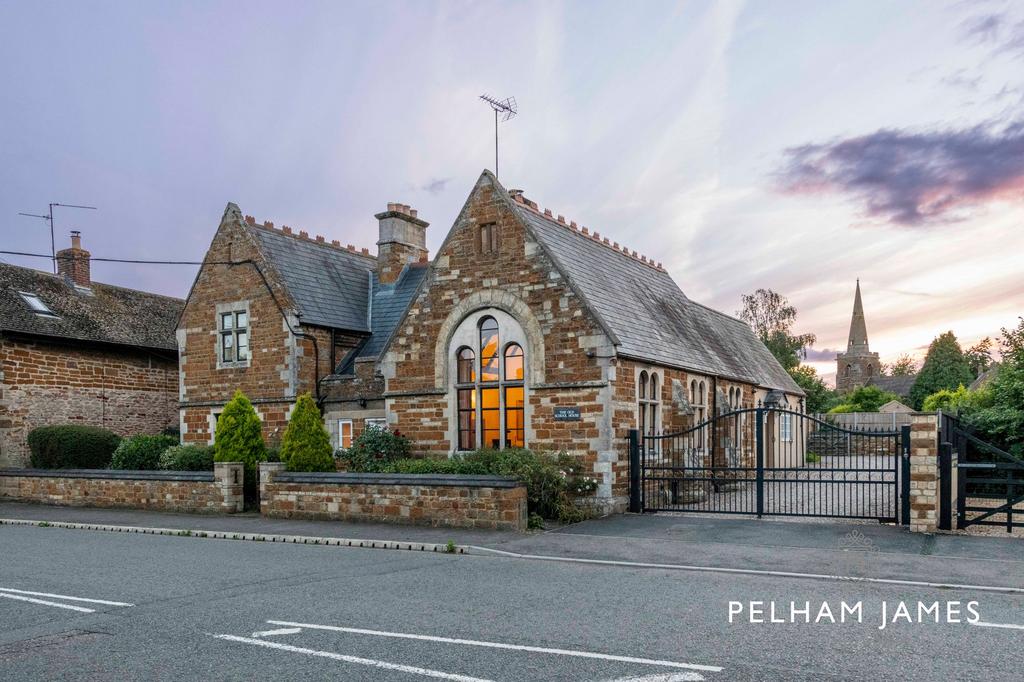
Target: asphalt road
[193,608]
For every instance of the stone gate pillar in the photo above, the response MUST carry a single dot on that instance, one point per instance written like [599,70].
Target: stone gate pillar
[924,473]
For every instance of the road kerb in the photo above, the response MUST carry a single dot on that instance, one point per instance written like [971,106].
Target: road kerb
[251,537]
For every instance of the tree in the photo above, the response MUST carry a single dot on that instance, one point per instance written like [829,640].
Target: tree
[904,366]
[771,317]
[1002,420]
[944,367]
[306,445]
[864,399]
[820,398]
[979,356]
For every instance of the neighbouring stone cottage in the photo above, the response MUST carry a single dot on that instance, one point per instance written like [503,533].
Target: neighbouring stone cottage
[525,329]
[77,351]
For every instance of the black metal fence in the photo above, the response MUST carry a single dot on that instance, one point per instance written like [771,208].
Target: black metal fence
[770,461]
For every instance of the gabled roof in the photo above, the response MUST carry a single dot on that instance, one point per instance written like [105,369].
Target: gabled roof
[647,314]
[329,284]
[899,385]
[101,313]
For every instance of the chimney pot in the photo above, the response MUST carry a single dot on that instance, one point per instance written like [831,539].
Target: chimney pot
[304,234]
[561,219]
[267,223]
[286,229]
[335,242]
[402,240]
[73,263]
[547,212]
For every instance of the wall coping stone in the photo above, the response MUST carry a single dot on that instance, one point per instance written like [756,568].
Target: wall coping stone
[353,478]
[114,474]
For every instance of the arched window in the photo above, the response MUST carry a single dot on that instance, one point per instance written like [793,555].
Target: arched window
[491,395]
[467,370]
[642,402]
[871,371]
[701,412]
[847,371]
[648,400]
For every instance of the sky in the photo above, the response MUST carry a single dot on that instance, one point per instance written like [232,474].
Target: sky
[795,146]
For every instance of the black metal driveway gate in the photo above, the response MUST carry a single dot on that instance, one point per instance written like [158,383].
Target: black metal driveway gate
[989,481]
[772,461]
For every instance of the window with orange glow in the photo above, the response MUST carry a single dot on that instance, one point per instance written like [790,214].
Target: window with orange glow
[490,392]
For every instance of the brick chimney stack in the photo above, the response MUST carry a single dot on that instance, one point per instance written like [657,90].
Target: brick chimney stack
[403,240]
[73,263]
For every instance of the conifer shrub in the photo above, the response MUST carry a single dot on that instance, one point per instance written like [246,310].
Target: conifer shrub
[306,445]
[239,438]
[141,452]
[71,446]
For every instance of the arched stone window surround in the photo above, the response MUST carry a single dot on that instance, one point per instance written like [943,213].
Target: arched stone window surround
[468,336]
[649,386]
[475,303]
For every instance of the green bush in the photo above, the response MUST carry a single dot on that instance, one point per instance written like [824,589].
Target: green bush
[141,452]
[71,446]
[187,458]
[864,399]
[375,447]
[552,481]
[306,445]
[239,438]
[812,458]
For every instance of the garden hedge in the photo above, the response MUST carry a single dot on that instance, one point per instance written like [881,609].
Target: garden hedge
[72,446]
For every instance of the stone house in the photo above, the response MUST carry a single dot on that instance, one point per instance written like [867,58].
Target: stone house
[77,351]
[525,329]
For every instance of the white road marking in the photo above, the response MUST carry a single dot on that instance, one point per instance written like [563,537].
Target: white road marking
[66,597]
[282,631]
[1005,626]
[664,677]
[384,665]
[47,603]
[501,645]
[750,571]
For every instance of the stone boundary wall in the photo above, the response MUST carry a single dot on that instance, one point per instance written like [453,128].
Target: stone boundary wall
[490,502]
[218,491]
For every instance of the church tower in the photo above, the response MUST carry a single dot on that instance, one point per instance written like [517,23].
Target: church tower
[858,364]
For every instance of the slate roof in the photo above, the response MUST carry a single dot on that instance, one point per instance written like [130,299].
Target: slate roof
[330,285]
[650,317]
[104,313]
[390,302]
[899,385]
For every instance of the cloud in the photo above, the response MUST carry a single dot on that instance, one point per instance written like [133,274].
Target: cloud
[982,28]
[996,29]
[913,178]
[437,185]
[823,355]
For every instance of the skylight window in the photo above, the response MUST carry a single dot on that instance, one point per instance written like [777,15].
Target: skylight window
[36,304]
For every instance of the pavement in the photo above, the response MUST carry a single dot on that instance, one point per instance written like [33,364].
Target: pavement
[582,602]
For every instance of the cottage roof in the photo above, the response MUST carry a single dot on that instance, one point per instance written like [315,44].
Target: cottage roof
[100,313]
[329,283]
[900,385]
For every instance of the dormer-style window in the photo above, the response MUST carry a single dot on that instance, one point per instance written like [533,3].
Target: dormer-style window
[489,238]
[234,336]
[36,304]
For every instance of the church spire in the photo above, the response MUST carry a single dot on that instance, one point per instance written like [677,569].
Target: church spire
[858,342]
